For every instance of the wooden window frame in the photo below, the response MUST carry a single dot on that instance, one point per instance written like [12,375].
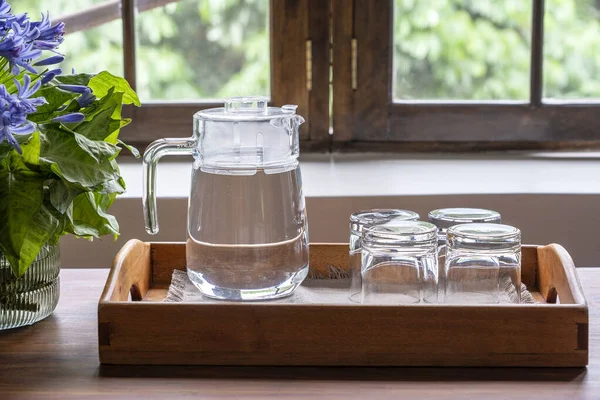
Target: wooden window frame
[299,36]
[365,117]
[353,40]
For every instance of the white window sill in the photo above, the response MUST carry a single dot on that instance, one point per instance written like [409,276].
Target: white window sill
[551,197]
[351,175]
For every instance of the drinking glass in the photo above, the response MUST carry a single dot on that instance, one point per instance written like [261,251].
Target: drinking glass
[399,263]
[483,264]
[444,218]
[359,221]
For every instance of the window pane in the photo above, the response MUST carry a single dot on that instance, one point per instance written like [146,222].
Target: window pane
[462,49]
[572,49]
[203,49]
[89,50]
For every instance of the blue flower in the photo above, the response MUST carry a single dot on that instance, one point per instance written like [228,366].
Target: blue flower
[22,41]
[50,61]
[86,99]
[27,90]
[14,109]
[50,36]
[17,47]
[48,76]
[7,19]
[4,10]
[69,118]
[75,88]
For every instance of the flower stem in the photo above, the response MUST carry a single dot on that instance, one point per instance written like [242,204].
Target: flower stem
[3,64]
[38,76]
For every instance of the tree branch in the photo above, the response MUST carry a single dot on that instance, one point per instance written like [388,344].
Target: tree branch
[505,26]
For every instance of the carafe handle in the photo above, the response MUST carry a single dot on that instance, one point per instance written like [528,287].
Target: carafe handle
[154,152]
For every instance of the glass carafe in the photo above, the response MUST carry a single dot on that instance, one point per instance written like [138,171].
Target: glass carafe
[247,234]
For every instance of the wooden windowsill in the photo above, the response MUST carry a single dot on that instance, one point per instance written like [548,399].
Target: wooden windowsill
[351,175]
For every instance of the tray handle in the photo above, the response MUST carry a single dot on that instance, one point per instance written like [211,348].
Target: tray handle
[557,276]
[131,273]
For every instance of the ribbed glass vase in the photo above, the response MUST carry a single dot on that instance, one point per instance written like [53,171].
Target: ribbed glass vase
[33,296]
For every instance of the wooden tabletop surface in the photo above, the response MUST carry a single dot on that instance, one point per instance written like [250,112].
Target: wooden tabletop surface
[58,359]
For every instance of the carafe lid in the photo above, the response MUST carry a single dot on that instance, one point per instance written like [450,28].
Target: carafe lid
[239,109]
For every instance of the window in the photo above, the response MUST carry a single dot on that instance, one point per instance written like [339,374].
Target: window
[466,74]
[191,50]
[186,55]
[366,74]
[94,40]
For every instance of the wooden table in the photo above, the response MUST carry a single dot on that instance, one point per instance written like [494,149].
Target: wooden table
[58,359]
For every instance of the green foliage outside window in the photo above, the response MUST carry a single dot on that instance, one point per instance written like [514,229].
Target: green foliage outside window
[443,49]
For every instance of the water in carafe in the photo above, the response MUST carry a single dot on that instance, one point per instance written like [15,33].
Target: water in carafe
[243,241]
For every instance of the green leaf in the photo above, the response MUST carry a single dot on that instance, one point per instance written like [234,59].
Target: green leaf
[102,125]
[99,150]
[104,81]
[77,79]
[5,149]
[64,219]
[132,149]
[107,101]
[31,149]
[24,224]
[41,229]
[76,159]
[114,137]
[115,186]
[106,200]
[72,107]
[62,194]
[91,219]
[56,98]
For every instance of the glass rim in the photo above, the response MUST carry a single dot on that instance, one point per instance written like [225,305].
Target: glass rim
[365,218]
[484,231]
[447,217]
[405,232]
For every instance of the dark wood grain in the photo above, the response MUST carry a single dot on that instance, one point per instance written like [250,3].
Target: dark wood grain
[492,123]
[516,127]
[373,31]
[58,359]
[318,30]
[156,121]
[128,11]
[289,33]
[537,54]
[343,94]
[424,146]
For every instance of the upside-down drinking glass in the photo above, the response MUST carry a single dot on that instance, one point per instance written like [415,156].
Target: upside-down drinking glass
[399,263]
[444,218]
[483,264]
[359,221]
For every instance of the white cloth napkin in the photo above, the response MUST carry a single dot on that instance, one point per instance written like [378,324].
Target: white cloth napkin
[316,289]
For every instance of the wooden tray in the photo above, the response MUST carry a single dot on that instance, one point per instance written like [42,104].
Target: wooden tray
[135,327]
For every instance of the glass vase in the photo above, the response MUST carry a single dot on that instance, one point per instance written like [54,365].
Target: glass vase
[34,295]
